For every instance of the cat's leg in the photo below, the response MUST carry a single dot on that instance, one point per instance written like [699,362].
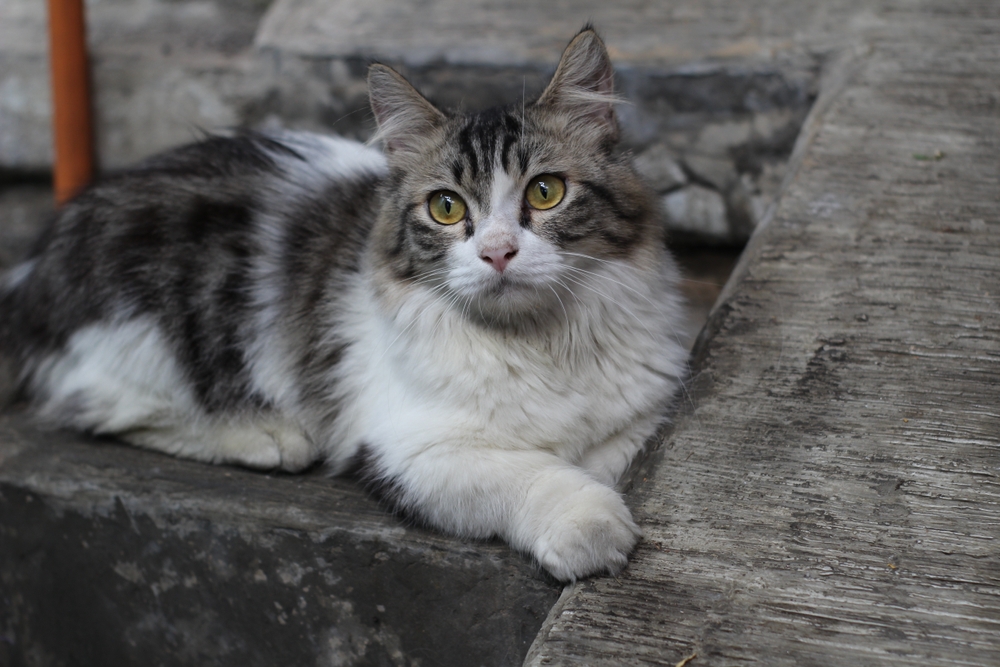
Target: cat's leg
[121,379]
[608,460]
[264,442]
[573,525]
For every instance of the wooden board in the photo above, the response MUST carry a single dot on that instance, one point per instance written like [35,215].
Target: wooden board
[830,494]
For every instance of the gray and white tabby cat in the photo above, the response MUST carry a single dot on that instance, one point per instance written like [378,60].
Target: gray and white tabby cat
[482,317]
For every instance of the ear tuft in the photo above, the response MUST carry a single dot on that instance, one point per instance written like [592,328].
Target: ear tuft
[583,85]
[403,115]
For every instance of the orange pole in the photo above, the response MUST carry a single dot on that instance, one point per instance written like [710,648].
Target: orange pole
[71,110]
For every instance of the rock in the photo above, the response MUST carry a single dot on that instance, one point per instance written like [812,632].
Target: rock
[698,211]
[770,178]
[749,199]
[720,138]
[717,170]
[777,129]
[740,204]
[660,168]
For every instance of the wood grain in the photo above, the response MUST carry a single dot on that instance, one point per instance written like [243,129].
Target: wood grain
[830,493]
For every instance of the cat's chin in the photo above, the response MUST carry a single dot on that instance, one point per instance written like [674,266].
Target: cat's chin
[508,301]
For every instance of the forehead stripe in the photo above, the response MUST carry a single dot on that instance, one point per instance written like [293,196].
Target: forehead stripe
[457,170]
[523,159]
[511,135]
[488,137]
[467,149]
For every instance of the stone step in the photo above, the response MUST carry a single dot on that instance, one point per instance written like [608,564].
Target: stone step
[110,555]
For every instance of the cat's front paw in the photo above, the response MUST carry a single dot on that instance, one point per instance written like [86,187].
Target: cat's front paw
[295,451]
[266,445]
[582,531]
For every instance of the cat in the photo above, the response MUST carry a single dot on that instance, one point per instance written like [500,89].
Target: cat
[481,317]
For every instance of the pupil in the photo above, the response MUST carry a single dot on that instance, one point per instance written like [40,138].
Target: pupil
[543,190]
[447,204]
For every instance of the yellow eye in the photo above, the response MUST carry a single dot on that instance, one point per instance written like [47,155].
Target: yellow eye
[545,191]
[446,207]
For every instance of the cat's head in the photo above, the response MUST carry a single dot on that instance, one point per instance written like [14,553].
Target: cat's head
[499,211]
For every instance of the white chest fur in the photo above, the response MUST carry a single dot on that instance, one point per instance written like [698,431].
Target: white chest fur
[425,375]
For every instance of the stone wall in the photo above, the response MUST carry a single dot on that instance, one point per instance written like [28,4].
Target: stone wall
[711,132]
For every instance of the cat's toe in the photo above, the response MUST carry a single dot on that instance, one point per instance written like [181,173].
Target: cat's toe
[295,450]
[248,447]
[269,445]
[592,532]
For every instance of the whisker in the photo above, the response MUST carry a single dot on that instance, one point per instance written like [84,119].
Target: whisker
[569,290]
[561,305]
[430,276]
[677,336]
[610,279]
[638,319]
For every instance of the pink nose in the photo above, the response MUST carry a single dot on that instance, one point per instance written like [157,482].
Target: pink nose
[498,258]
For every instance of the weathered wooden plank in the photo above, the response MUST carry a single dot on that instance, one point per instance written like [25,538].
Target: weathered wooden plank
[830,493]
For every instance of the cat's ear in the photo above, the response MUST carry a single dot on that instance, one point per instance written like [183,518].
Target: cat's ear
[583,85]
[403,115]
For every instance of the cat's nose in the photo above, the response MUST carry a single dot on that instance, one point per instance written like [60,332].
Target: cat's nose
[498,258]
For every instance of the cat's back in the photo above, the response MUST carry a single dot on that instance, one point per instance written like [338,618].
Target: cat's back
[184,240]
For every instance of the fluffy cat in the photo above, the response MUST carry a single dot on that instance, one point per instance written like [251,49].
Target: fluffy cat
[482,317]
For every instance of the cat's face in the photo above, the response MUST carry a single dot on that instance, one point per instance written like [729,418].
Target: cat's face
[499,212]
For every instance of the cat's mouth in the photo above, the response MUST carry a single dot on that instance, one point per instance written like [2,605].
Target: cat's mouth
[502,284]
[506,286]
[509,296]
[511,293]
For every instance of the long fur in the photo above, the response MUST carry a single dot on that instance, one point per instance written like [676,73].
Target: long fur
[276,300]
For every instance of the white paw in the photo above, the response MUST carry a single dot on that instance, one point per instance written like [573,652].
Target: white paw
[294,449]
[248,447]
[267,446]
[584,531]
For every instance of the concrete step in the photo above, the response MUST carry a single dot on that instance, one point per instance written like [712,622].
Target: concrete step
[110,555]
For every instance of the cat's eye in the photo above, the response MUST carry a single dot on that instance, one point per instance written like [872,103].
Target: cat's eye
[545,191]
[446,207]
